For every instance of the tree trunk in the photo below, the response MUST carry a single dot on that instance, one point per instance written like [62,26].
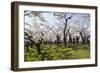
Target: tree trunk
[70,38]
[82,37]
[38,46]
[58,39]
[65,42]
[65,34]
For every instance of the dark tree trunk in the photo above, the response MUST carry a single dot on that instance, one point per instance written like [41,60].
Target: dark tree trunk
[58,39]
[65,28]
[88,39]
[65,34]
[77,39]
[38,46]
[73,40]
[65,42]
[70,38]
[83,37]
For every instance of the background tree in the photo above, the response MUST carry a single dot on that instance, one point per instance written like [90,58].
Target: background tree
[63,19]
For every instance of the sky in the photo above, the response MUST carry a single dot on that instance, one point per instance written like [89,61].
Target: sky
[52,19]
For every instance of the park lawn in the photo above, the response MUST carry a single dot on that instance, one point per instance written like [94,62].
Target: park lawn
[80,54]
[54,52]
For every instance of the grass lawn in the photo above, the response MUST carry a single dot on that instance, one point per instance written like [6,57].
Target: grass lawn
[54,52]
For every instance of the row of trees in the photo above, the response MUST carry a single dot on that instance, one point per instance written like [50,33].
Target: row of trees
[56,28]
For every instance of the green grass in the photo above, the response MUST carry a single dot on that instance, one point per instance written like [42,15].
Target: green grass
[54,52]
